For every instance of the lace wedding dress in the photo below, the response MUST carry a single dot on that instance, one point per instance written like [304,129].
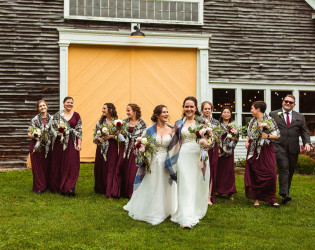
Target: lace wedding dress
[155,198]
[193,190]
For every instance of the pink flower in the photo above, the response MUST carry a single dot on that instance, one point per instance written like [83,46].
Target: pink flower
[139,139]
[203,142]
[234,131]
[142,149]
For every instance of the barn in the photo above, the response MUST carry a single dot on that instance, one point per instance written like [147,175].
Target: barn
[229,52]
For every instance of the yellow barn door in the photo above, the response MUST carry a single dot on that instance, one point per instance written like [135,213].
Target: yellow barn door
[122,75]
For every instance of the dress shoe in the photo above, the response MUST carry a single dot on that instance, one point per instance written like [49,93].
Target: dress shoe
[286,198]
[70,193]
[276,205]
[187,226]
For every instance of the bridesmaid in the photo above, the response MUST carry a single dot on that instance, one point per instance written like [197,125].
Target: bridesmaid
[225,181]
[206,110]
[106,153]
[126,169]
[66,149]
[40,159]
[260,168]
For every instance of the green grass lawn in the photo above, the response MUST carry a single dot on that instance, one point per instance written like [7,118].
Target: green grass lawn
[89,220]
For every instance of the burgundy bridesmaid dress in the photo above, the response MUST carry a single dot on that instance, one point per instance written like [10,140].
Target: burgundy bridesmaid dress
[104,171]
[65,163]
[56,161]
[213,162]
[118,185]
[40,167]
[261,175]
[225,179]
[127,170]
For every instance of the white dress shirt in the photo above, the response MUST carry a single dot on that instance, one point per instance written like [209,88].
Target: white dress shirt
[285,115]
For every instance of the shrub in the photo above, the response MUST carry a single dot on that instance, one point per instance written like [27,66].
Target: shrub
[305,165]
[240,163]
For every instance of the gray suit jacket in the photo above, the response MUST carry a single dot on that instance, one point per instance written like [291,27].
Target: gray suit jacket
[289,136]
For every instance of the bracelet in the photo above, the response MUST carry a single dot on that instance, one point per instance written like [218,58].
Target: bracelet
[268,136]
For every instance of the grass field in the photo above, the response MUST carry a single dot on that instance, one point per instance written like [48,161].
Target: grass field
[89,220]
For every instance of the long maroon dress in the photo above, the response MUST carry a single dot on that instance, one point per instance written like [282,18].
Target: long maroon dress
[118,187]
[128,170]
[213,162]
[104,171]
[65,163]
[40,166]
[225,179]
[261,175]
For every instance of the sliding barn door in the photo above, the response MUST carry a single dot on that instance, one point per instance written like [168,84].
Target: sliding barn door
[122,75]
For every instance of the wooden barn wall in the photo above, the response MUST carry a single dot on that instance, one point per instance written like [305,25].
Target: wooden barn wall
[251,40]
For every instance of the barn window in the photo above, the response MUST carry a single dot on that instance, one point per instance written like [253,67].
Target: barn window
[188,12]
[308,109]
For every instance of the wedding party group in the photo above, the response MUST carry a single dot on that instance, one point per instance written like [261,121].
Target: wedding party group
[170,171]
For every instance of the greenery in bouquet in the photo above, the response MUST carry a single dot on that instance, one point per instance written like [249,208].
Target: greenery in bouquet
[145,148]
[233,130]
[42,135]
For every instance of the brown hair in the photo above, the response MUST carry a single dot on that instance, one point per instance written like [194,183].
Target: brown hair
[260,105]
[38,102]
[291,96]
[67,98]
[112,111]
[191,98]
[206,102]
[135,108]
[156,112]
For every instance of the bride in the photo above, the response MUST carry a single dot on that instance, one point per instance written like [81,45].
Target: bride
[193,183]
[154,199]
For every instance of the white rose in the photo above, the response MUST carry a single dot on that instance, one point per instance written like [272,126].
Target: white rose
[229,136]
[144,141]
[98,132]
[104,130]
[202,131]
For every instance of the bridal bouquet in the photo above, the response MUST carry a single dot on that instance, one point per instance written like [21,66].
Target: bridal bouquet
[204,133]
[144,149]
[63,128]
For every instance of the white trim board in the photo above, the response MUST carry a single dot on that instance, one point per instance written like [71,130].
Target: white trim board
[311,3]
[122,38]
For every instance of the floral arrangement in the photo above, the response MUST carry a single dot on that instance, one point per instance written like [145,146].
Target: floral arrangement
[42,135]
[233,130]
[63,128]
[279,114]
[257,129]
[121,129]
[206,135]
[145,148]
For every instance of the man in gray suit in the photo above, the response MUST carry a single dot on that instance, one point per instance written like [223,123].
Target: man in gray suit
[291,125]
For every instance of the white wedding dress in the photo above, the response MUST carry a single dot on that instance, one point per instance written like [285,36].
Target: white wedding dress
[155,199]
[192,190]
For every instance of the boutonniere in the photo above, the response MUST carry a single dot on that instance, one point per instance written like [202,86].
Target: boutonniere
[280,114]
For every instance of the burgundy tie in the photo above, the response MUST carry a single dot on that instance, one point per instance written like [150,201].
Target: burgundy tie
[288,119]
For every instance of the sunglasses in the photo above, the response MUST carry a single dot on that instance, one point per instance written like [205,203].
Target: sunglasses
[286,101]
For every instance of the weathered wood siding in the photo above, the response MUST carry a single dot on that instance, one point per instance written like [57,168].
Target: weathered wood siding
[261,40]
[253,40]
